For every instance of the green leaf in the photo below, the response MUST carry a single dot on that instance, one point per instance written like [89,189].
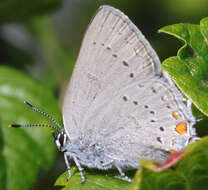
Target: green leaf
[136,181]
[12,10]
[95,180]
[204,28]
[24,150]
[189,69]
[2,163]
[190,173]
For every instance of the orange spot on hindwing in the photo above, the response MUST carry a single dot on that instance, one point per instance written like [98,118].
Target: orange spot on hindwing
[172,151]
[175,115]
[181,128]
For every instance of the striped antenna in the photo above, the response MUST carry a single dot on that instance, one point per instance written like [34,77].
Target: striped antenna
[32,125]
[45,114]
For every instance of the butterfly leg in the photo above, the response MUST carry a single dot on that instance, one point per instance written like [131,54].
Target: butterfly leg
[193,139]
[123,174]
[79,168]
[67,165]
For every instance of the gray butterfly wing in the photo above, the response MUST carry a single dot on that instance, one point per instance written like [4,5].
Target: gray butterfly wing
[146,119]
[112,50]
[113,93]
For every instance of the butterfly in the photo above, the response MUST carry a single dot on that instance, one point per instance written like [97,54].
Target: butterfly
[120,106]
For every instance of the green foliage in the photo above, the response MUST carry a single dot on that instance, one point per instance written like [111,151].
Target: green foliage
[23,151]
[190,173]
[23,9]
[95,180]
[189,69]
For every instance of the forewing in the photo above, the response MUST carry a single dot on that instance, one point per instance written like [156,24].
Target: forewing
[113,55]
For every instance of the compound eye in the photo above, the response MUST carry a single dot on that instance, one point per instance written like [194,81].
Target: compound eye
[61,139]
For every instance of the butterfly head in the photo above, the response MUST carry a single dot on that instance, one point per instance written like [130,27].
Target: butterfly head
[61,140]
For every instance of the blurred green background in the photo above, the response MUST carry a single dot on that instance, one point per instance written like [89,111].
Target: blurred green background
[42,38]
